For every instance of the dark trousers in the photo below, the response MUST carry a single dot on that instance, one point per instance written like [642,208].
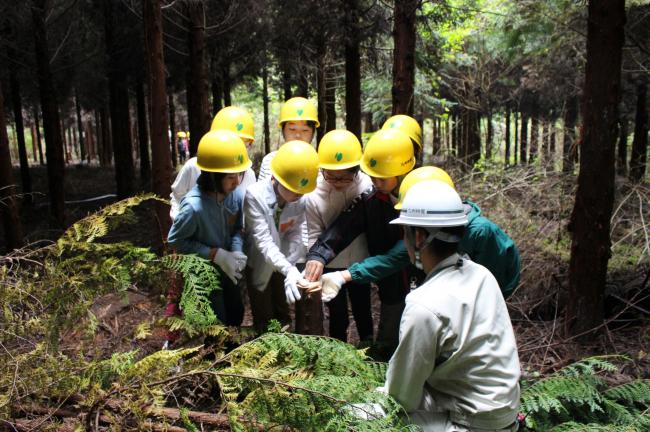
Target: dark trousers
[227,303]
[359,295]
[268,304]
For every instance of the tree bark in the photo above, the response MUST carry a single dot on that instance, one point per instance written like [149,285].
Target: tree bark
[16,101]
[352,70]
[515,148]
[8,203]
[172,129]
[330,105]
[198,109]
[489,137]
[160,151]
[507,137]
[143,133]
[568,144]
[119,106]
[590,219]
[37,126]
[80,129]
[523,141]
[265,102]
[640,142]
[404,56]
[622,147]
[51,122]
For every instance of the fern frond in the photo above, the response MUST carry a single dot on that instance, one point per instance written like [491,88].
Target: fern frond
[637,391]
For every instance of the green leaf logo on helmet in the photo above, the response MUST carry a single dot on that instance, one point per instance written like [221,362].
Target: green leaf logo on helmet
[373,163]
[338,156]
[240,126]
[393,125]
[240,158]
[304,182]
[300,111]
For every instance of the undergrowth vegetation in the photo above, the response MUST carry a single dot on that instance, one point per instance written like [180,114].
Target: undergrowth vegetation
[278,379]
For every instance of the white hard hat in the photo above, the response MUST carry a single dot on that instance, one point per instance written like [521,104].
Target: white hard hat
[432,204]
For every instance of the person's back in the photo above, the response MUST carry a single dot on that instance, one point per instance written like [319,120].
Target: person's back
[487,244]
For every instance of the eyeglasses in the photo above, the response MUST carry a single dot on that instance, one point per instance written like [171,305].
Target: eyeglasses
[338,179]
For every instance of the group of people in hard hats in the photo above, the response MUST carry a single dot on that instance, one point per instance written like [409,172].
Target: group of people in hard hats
[319,226]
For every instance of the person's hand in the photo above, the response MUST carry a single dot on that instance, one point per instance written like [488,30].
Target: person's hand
[313,270]
[231,263]
[332,283]
[291,281]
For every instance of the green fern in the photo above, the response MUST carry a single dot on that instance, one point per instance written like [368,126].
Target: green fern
[200,281]
[577,398]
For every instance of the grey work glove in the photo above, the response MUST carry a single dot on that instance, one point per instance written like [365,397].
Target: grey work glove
[231,263]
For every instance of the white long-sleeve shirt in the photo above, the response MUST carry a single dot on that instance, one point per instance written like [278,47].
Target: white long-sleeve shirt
[457,352]
[265,166]
[270,248]
[324,205]
[186,180]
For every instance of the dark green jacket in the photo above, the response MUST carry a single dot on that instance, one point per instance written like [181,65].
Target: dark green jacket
[484,242]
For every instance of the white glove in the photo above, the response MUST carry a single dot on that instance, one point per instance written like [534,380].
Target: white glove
[332,283]
[291,285]
[231,263]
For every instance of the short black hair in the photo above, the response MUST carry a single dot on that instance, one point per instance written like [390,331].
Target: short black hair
[210,181]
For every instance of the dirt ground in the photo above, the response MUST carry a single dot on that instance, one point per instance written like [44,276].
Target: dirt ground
[543,346]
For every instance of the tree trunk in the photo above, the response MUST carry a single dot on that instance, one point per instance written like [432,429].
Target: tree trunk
[37,126]
[489,137]
[640,141]
[119,105]
[265,102]
[507,137]
[552,150]
[80,129]
[330,105]
[106,136]
[568,144]
[320,97]
[590,219]
[404,56]
[545,141]
[90,141]
[523,141]
[172,129]
[474,137]
[51,122]
[143,134]
[198,110]
[534,136]
[622,147]
[16,101]
[215,87]
[227,100]
[515,148]
[9,208]
[160,154]
[368,126]
[352,70]
[436,138]
[286,80]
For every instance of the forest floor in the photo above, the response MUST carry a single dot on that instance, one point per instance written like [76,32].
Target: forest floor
[532,205]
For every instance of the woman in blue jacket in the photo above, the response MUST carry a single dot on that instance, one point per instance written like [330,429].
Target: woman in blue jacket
[210,222]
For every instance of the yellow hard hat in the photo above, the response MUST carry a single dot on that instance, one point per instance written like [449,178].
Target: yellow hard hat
[296,109]
[181,134]
[339,149]
[389,153]
[222,151]
[296,166]
[235,119]
[406,124]
[419,175]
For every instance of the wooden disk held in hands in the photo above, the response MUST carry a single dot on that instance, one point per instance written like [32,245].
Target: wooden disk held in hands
[310,287]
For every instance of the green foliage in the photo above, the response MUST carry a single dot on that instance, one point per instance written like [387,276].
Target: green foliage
[577,398]
[200,281]
[303,382]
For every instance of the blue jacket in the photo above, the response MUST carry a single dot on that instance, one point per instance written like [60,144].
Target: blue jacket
[202,223]
[484,242]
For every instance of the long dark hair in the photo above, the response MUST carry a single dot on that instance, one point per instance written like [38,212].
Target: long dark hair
[210,181]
